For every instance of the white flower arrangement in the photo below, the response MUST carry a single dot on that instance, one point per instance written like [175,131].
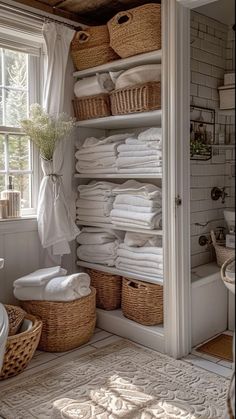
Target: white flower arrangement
[46,130]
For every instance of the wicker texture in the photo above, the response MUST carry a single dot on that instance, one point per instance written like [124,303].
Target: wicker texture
[15,317]
[108,289]
[89,107]
[136,30]
[222,253]
[139,98]
[91,48]
[142,302]
[66,325]
[223,270]
[20,349]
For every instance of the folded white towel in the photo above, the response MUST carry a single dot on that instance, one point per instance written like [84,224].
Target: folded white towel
[91,212]
[143,153]
[98,170]
[100,237]
[132,187]
[104,253]
[145,219]
[145,144]
[88,204]
[39,277]
[103,163]
[134,208]
[138,269]
[94,156]
[156,222]
[93,219]
[138,161]
[92,142]
[141,169]
[151,134]
[96,188]
[142,263]
[140,240]
[138,201]
[63,288]
[119,235]
[153,253]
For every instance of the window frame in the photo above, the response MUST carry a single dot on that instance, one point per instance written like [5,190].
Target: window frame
[35,83]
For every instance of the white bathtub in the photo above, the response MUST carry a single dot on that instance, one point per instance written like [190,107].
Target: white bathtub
[209,303]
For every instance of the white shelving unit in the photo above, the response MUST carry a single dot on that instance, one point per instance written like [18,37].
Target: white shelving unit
[114,321]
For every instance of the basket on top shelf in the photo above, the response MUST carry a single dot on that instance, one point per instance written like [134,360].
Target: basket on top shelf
[20,348]
[136,30]
[66,325]
[89,107]
[222,253]
[108,289]
[91,47]
[142,302]
[138,98]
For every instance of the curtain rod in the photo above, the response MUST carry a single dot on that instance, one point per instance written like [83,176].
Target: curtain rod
[44,17]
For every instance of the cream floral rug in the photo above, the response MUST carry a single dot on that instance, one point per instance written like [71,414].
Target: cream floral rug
[121,380]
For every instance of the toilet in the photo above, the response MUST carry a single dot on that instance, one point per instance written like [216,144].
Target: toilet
[3,332]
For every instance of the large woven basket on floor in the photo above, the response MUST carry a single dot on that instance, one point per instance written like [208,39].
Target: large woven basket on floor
[15,317]
[20,349]
[91,47]
[108,289]
[89,107]
[136,30]
[142,302]
[222,253]
[66,325]
[139,98]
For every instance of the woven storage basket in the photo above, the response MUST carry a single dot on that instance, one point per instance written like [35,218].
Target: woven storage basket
[222,253]
[66,325]
[91,48]
[89,107]
[223,270]
[138,98]
[15,317]
[142,302]
[108,289]
[20,349]
[136,30]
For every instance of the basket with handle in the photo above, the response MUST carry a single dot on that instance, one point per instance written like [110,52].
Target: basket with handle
[90,47]
[136,30]
[15,316]
[20,349]
[142,302]
[222,253]
[108,289]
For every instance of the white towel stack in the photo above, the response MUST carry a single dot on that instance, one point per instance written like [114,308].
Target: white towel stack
[142,154]
[141,254]
[99,155]
[95,202]
[52,284]
[137,205]
[98,245]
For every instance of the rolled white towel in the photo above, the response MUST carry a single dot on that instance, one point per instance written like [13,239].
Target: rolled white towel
[62,288]
[39,277]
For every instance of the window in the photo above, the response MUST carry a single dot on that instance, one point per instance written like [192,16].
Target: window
[20,69]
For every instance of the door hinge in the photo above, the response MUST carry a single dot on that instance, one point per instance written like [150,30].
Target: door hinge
[178,201]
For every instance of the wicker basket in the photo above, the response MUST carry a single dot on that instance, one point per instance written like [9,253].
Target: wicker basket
[91,48]
[223,270]
[108,289]
[66,325]
[20,349]
[15,317]
[142,302]
[222,253]
[90,107]
[139,98]
[136,30]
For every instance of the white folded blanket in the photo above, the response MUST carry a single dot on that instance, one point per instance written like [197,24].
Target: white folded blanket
[151,134]
[94,85]
[138,269]
[140,240]
[132,187]
[138,201]
[39,277]
[63,288]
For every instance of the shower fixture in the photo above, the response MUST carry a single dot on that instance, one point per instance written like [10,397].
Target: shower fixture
[217,193]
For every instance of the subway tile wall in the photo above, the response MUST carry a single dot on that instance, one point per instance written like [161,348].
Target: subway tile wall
[212,54]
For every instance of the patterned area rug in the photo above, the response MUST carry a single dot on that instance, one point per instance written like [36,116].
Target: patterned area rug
[121,380]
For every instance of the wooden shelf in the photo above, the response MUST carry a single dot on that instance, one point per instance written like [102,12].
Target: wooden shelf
[118,176]
[115,322]
[132,120]
[153,57]
[114,271]
[115,227]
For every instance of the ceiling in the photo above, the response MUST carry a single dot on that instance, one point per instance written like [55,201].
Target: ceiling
[90,12]
[221,10]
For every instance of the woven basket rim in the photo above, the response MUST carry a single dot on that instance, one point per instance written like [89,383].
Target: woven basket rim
[37,323]
[102,95]
[136,86]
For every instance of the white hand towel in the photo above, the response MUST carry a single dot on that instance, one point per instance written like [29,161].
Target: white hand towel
[104,254]
[116,234]
[93,219]
[94,156]
[95,238]
[138,161]
[134,208]
[138,269]
[151,134]
[132,187]
[139,217]
[93,142]
[96,188]
[141,262]
[140,240]
[143,153]
[103,163]
[141,145]
[39,277]
[141,169]
[138,201]
[145,249]
[97,212]
[88,204]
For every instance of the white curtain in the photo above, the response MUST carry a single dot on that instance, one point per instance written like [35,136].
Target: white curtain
[55,223]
